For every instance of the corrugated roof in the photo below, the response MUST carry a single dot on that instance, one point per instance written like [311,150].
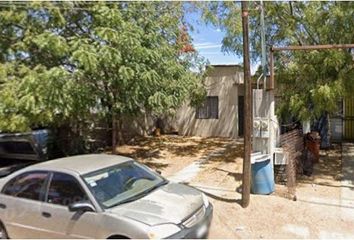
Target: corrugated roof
[225,65]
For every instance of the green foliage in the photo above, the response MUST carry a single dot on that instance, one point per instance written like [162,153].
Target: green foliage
[309,82]
[61,61]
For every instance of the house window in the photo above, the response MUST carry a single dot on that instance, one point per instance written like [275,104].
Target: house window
[209,109]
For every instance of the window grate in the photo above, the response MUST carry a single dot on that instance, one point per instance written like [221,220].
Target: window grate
[209,108]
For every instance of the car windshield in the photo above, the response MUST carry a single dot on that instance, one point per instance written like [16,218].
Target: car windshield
[122,183]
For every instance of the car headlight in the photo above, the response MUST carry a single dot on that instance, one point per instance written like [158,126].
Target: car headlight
[205,200]
[163,231]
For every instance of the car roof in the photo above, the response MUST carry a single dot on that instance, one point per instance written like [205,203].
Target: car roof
[80,164]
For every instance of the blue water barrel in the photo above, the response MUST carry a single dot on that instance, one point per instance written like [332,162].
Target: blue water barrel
[262,181]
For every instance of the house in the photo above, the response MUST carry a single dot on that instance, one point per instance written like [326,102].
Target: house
[221,114]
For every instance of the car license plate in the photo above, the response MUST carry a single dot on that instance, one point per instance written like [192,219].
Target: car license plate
[202,230]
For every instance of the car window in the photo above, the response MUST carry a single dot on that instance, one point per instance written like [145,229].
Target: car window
[27,185]
[120,183]
[64,190]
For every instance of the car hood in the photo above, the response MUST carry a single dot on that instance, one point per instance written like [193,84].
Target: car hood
[170,203]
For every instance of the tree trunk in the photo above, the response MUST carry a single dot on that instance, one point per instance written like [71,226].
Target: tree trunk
[119,131]
[114,133]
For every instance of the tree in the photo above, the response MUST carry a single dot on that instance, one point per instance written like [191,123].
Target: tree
[66,60]
[311,83]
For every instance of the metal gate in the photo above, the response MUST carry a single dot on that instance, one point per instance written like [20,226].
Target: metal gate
[348,119]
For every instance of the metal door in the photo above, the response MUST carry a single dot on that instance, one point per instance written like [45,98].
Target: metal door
[240,115]
[349,118]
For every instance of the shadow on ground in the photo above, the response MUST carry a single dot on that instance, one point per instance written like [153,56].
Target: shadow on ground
[328,171]
[207,191]
[152,151]
[232,152]
[237,176]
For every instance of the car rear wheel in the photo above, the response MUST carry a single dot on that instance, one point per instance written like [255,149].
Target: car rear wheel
[3,233]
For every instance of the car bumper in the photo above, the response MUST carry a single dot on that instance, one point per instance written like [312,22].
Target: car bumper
[193,231]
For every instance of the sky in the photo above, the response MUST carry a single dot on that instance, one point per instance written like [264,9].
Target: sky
[207,40]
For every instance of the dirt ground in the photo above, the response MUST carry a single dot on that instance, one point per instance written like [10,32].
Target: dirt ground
[170,153]
[317,213]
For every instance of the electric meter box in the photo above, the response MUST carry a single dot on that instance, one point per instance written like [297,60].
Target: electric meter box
[257,128]
[265,128]
[261,127]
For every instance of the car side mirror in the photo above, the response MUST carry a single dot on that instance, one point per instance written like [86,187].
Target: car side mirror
[81,207]
[158,171]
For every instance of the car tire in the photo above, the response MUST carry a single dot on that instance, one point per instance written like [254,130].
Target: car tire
[118,237]
[3,233]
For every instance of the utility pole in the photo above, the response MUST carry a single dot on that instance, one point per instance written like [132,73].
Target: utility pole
[246,178]
[263,44]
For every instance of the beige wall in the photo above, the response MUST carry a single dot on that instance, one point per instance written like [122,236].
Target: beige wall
[224,82]
[141,125]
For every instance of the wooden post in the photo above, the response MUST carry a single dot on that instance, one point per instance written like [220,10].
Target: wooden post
[313,47]
[271,78]
[299,48]
[246,177]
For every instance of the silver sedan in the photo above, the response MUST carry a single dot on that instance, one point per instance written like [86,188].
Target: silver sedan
[99,196]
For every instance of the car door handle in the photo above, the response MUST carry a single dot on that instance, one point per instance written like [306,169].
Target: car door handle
[46,214]
[3,206]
